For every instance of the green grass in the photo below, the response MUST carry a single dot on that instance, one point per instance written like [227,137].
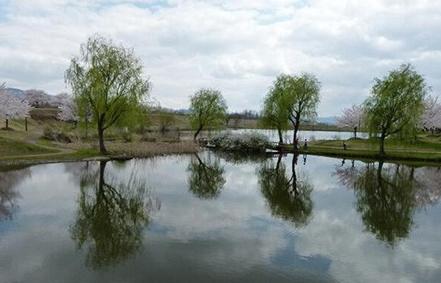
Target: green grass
[10,147]
[425,149]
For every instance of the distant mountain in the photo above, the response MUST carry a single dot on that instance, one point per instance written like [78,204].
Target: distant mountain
[14,91]
[327,120]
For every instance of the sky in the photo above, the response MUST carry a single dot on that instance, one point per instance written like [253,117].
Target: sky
[238,47]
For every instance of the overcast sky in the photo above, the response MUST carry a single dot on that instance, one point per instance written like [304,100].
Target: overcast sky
[236,46]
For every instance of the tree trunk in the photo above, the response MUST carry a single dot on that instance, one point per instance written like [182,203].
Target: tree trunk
[294,175]
[295,139]
[379,174]
[87,127]
[101,137]
[382,138]
[279,131]
[279,160]
[197,133]
[355,132]
[26,124]
[101,180]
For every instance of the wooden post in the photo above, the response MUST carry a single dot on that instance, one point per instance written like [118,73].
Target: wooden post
[7,123]
[26,124]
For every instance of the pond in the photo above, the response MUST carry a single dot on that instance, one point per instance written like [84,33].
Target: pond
[220,218]
[309,135]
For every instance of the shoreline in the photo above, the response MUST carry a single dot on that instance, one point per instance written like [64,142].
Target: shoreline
[392,156]
[125,151]
[117,151]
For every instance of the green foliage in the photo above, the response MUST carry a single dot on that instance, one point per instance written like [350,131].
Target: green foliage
[396,104]
[275,113]
[166,120]
[107,84]
[208,110]
[291,99]
[302,96]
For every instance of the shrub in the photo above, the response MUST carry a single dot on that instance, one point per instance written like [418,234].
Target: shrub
[245,142]
[148,137]
[57,135]
[127,136]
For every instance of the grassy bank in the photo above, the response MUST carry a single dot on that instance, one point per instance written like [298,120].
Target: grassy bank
[87,152]
[426,150]
[18,147]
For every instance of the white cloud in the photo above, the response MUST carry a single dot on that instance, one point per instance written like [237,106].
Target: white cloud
[236,46]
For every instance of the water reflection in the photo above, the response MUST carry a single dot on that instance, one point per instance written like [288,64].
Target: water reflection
[387,196]
[111,216]
[288,197]
[9,181]
[248,234]
[429,182]
[206,179]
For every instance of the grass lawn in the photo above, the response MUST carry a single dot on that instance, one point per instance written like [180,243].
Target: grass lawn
[10,147]
[426,149]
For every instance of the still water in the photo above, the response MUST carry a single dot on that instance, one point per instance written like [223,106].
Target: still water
[308,135]
[219,218]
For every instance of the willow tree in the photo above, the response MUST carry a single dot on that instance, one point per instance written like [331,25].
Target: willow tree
[107,79]
[396,104]
[302,95]
[208,110]
[274,114]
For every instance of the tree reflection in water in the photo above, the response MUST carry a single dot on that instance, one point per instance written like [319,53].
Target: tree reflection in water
[9,180]
[387,196]
[287,197]
[206,179]
[111,216]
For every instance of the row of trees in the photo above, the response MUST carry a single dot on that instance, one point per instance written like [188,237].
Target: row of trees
[109,90]
[398,106]
[19,106]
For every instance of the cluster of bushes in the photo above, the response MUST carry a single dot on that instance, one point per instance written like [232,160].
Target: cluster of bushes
[244,142]
[56,134]
[169,136]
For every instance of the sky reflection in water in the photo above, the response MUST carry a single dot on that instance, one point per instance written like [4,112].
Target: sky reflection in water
[211,217]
